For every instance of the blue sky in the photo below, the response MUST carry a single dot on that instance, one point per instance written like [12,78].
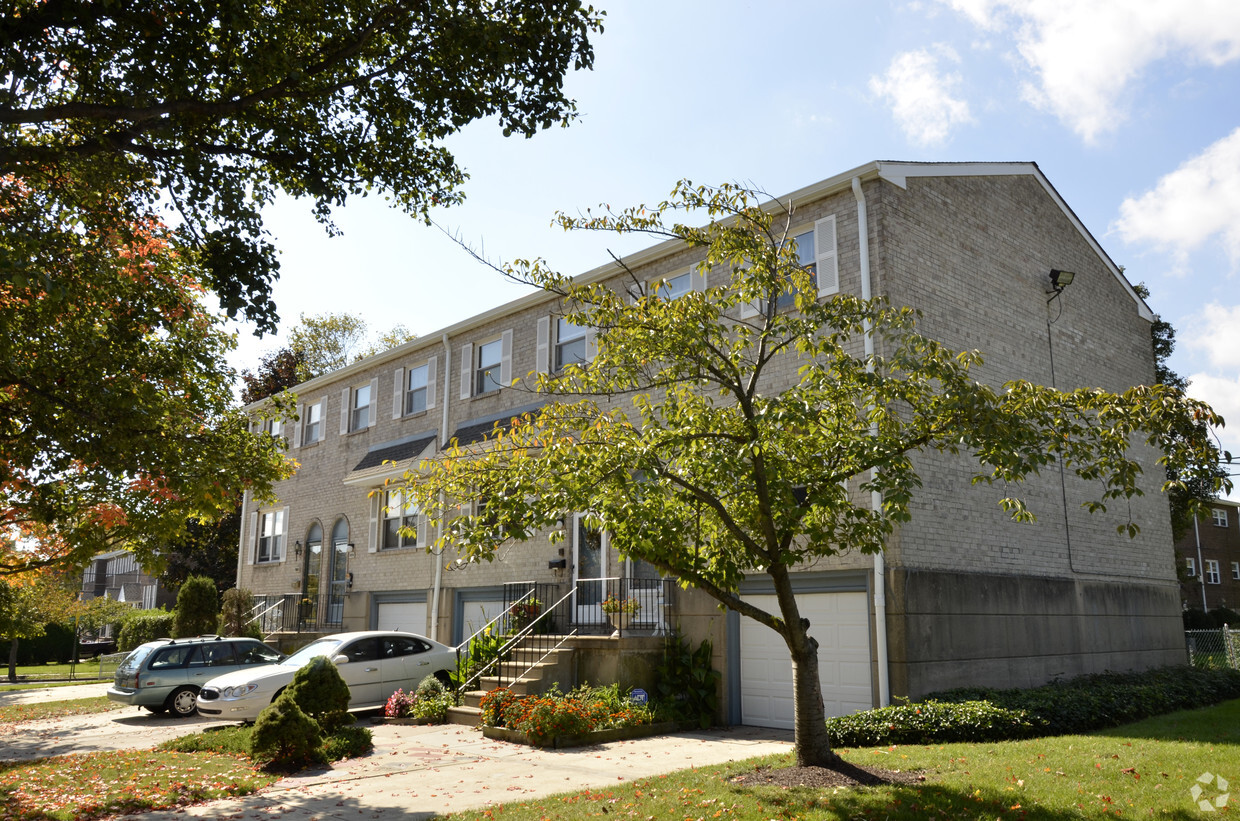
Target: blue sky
[1130,107]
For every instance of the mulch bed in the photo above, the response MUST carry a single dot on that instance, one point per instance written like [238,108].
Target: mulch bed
[842,775]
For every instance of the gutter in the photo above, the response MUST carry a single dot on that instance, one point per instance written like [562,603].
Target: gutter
[876,501]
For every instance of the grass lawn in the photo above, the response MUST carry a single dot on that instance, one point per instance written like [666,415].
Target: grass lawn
[40,685]
[14,713]
[1142,770]
[84,670]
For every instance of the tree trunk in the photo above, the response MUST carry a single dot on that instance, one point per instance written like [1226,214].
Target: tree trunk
[811,743]
[13,659]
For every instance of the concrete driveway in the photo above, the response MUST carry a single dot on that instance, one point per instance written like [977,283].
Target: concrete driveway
[414,772]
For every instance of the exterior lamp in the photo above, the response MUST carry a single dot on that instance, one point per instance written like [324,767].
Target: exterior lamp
[297,549]
[1060,280]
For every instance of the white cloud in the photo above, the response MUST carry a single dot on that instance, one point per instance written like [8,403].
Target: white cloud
[920,95]
[1216,332]
[1087,53]
[1194,203]
[1222,394]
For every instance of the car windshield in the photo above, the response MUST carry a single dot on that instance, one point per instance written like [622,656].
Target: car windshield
[322,647]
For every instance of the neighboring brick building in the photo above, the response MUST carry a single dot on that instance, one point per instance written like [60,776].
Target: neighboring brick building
[1209,559]
[970,597]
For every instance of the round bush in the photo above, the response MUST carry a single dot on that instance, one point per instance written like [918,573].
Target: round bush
[285,737]
[321,693]
[197,609]
[142,626]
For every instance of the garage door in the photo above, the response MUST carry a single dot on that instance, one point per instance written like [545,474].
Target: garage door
[840,623]
[407,616]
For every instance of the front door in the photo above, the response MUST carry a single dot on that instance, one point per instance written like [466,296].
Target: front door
[338,580]
[310,577]
[589,572]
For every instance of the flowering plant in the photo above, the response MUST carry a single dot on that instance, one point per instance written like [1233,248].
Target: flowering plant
[613,605]
[399,704]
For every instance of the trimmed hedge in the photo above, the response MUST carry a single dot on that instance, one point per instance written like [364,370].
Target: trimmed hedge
[1079,705]
[142,626]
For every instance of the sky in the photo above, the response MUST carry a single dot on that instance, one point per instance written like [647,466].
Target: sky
[1131,108]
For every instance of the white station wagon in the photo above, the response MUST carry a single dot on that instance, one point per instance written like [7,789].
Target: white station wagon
[373,663]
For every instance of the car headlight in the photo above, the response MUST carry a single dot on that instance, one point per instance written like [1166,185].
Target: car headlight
[239,691]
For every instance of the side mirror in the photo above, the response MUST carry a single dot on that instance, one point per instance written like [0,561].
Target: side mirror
[340,659]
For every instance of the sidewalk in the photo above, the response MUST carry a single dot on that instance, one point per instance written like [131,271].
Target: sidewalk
[422,772]
[38,694]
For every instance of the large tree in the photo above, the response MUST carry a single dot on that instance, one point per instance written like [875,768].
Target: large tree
[714,444]
[212,108]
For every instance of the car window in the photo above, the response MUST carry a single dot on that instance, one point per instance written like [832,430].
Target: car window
[394,646]
[216,654]
[366,649]
[173,656]
[319,647]
[135,659]
[252,652]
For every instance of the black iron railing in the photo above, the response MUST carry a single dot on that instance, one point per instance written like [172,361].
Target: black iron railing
[294,613]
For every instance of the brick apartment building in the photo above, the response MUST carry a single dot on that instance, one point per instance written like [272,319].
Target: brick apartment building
[961,596]
[1209,555]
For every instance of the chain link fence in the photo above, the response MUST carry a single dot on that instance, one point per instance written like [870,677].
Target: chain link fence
[1213,648]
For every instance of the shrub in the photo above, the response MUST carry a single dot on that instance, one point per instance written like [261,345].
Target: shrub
[544,718]
[321,693]
[930,722]
[284,737]
[1092,702]
[198,604]
[235,614]
[142,626]
[494,704]
[399,705]
[347,742]
[687,683]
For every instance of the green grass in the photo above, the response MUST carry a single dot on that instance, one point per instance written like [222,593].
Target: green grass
[97,784]
[15,713]
[40,685]
[1141,770]
[84,670]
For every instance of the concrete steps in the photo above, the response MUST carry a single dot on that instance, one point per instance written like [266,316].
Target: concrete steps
[535,677]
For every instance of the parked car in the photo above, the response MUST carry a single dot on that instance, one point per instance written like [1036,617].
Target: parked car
[166,674]
[374,663]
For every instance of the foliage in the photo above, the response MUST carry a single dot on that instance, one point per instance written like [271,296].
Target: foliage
[280,369]
[285,737]
[95,614]
[252,98]
[429,701]
[930,722]
[612,605]
[687,684]
[543,718]
[197,609]
[323,343]
[686,440]
[235,612]
[55,645]
[121,783]
[1102,700]
[482,655]
[321,693]
[347,742]
[494,706]
[142,626]
[28,602]
[117,417]
[399,704]
[206,548]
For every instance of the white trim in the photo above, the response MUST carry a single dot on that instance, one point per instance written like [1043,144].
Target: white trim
[542,347]
[398,393]
[372,407]
[376,512]
[432,367]
[826,261]
[346,396]
[467,370]
[505,360]
[301,415]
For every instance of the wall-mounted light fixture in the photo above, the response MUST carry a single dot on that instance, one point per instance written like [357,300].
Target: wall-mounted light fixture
[1059,281]
[349,580]
[297,549]
[352,550]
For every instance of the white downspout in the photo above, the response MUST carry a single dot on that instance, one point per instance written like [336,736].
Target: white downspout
[443,442]
[1201,568]
[876,501]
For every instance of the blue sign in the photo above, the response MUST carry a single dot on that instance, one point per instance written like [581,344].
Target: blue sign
[639,696]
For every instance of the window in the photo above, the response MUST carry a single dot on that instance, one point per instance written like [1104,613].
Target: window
[399,514]
[359,411]
[675,287]
[271,536]
[273,426]
[313,423]
[1219,515]
[415,390]
[487,367]
[1212,571]
[570,344]
[808,260]
[1192,567]
[1235,570]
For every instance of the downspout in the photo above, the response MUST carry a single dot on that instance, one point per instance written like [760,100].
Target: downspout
[876,500]
[1201,568]
[443,442]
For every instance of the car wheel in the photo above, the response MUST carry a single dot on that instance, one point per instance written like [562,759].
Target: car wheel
[158,709]
[182,702]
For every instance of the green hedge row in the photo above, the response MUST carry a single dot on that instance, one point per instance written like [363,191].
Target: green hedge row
[1062,707]
[143,626]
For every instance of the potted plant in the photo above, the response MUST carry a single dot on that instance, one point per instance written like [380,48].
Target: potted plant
[620,611]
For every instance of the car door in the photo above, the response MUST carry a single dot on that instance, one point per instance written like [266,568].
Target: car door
[211,660]
[362,672]
[405,663]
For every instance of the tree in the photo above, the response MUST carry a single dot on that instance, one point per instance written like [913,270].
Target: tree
[1182,494]
[27,604]
[280,369]
[212,108]
[328,342]
[117,417]
[235,613]
[198,608]
[208,548]
[713,445]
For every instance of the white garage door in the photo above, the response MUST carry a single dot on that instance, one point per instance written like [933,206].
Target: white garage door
[407,616]
[840,623]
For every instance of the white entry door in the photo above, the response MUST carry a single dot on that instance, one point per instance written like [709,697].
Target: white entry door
[840,622]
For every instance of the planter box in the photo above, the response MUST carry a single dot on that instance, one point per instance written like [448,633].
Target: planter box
[600,737]
[408,721]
